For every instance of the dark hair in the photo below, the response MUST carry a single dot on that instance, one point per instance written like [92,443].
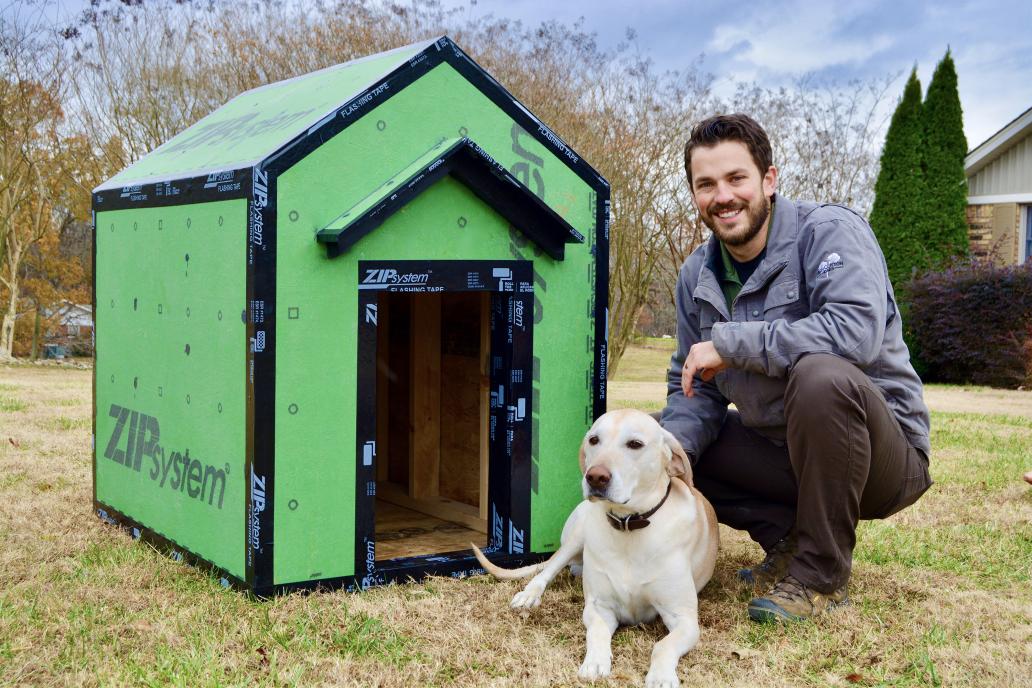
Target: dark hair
[737,127]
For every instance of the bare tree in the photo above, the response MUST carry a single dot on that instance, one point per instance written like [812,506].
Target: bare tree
[826,137]
[30,114]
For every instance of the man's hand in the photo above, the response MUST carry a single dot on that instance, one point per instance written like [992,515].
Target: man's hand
[704,360]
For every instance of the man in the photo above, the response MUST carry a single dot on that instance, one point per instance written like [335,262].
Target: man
[787,312]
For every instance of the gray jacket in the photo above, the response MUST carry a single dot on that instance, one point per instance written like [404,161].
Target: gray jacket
[821,287]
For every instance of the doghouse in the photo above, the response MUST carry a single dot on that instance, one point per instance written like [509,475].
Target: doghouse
[348,323]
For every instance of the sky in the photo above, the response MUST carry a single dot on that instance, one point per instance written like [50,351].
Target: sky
[777,41]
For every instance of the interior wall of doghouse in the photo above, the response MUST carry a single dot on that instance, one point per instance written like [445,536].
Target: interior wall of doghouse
[464,390]
[439,342]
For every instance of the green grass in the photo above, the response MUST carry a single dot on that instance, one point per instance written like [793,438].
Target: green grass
[66,423]
[994,557]
[10,405]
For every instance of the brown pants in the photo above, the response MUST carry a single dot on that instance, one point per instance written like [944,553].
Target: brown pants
[846,458]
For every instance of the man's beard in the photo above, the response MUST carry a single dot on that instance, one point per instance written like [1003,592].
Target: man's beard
[756,214]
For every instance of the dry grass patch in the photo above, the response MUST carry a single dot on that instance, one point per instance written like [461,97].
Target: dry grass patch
[941,592]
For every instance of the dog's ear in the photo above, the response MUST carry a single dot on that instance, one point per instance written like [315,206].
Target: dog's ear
[583,468]
[679,466]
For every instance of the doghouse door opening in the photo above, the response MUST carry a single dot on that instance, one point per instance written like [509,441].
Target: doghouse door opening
[432,414]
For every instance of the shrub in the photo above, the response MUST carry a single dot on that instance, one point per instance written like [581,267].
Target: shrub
[972,323]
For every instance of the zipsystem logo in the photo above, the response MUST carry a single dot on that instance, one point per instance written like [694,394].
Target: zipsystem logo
[387,277]
[254,524]
[260,189]
[135,435]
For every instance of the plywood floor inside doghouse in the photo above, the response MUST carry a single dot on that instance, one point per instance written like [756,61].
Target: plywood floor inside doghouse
[402,532]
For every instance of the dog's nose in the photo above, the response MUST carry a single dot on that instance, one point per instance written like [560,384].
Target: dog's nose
[598,477]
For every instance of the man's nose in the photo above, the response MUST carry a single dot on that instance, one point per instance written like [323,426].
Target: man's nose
[723,193]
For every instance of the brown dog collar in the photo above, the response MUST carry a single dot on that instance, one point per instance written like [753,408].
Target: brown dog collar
[637,521]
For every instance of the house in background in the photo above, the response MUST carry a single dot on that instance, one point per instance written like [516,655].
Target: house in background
[70,331]
[75,321]
[999,213]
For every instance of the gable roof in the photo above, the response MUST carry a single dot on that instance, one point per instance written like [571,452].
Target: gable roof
[257,123]
[998,143]
[470,164]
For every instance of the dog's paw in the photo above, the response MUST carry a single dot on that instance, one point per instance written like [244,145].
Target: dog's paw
[594,668]
[662,679]
[528,598]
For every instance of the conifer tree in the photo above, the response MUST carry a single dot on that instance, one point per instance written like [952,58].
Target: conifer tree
[944,220]
[900,190]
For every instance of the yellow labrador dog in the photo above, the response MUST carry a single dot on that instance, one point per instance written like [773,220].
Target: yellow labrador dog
[646,538]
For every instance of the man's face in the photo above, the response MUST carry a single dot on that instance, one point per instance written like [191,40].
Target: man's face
[732,197]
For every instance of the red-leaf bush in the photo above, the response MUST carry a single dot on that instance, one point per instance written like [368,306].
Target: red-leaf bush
[972,323]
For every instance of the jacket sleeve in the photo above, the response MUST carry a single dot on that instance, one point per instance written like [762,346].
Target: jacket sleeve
[847,294]
[695,421]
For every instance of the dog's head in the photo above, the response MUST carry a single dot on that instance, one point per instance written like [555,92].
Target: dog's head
[625,456]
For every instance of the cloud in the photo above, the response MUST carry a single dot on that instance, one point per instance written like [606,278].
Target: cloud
[798,37]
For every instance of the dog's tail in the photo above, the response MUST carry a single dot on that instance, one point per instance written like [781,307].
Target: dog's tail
[507,574]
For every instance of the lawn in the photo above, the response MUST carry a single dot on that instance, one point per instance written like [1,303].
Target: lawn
[941,592]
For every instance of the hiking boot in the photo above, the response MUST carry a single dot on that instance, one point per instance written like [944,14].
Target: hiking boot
[790,600]
[773,567]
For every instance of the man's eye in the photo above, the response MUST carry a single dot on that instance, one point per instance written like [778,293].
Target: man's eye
[593,439]
[635,444]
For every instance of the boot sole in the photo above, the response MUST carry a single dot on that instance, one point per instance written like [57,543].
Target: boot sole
[763,610]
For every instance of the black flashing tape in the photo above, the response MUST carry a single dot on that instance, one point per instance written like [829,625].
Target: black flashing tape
[416,569]
[261,352]
[214,186]
[348,113]
[512,288]
[601,251]
[489,181]
[501,97]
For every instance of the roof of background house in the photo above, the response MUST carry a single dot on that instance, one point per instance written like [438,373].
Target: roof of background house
[998,143]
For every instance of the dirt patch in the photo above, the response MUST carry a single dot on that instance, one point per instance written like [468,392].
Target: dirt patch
[980,400]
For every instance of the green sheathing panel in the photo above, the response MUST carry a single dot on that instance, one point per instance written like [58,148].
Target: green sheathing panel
[389,186]
[256,122]
[171,349]
[316,353]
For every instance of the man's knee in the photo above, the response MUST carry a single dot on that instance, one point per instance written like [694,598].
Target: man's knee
[817,379]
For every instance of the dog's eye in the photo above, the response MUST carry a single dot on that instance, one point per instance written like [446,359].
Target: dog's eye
[635,444]
[593,440]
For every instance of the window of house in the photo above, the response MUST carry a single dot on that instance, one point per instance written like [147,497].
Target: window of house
[1028,233]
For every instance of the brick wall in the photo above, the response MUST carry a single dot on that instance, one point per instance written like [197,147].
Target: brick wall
[993,231]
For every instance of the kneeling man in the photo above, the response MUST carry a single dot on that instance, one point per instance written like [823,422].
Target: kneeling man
[787,311]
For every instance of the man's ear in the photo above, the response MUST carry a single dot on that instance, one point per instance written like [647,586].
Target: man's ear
[770,181]
[680,465]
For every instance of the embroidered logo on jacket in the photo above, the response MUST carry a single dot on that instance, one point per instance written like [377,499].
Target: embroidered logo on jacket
[832,262]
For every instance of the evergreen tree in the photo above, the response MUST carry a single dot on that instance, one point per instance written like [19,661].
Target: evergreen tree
[944,221]
[900,193]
